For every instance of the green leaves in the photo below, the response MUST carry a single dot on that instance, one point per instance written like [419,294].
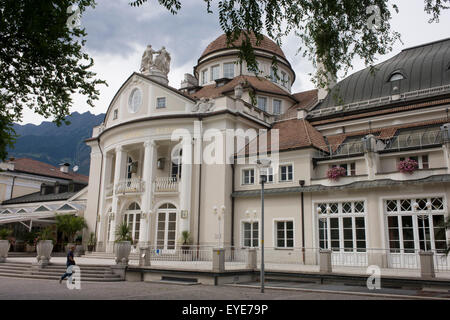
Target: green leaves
[330,33]
[123,233]
[42,62]
[69,225]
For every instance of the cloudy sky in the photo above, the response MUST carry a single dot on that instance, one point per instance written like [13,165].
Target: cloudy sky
[118,34]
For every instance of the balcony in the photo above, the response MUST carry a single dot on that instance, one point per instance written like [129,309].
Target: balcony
[165,184]
[402,142]
[135,185]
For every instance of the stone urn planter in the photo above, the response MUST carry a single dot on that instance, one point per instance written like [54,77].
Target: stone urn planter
[4,248]
[123,249]
[44,250]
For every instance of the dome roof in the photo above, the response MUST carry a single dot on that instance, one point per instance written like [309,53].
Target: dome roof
[265,44]
[417,68]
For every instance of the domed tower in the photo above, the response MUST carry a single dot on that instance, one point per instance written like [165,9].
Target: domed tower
[218,72]
[219,61]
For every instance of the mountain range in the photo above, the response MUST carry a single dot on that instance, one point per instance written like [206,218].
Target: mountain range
[52,144]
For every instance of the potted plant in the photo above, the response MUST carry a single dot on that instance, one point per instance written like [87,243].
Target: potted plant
[91,242]
[44,246]
[4,243]
[408,166]
[335,173]
[185,241]
[30,240]
[69,225]
[123,243]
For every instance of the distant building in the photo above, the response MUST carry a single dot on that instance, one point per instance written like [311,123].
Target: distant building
[33,192]
[338,184]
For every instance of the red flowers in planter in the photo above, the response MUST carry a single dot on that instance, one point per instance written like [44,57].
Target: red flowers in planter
[336,172]
[408,166]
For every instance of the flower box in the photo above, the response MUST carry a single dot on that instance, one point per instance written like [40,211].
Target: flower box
[407,166]
[336,172]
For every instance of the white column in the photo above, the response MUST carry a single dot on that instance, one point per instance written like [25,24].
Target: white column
[147,177]
[118,175]
[105,180]
[186,186]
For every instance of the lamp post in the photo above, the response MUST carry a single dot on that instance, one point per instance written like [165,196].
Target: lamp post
[219,217]
[263,165]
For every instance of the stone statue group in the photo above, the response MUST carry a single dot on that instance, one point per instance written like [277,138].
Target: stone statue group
[160,63]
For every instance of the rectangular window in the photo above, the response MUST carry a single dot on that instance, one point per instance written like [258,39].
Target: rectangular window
[204,76]
[251,234]
[273,76]
[215,73]
[284,234]
[350,168]
[248,176]
[276,106]
[262,103]
[283,79]
[160,102]
[228,70]
[286,173]
[116,113]
[342,226]
[269,173]
[425,164]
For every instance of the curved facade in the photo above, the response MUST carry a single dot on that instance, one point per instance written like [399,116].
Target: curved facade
[335,180]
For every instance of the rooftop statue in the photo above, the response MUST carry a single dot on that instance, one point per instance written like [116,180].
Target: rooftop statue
[160,63]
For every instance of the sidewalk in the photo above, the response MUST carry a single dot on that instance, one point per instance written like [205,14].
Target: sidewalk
[206,265]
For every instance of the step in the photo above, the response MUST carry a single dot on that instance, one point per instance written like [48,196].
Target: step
[47,277]
[83,275]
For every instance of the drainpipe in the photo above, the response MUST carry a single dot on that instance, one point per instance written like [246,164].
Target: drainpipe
[232,205]
[302,214]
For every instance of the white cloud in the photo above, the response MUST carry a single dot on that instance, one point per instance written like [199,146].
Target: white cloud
[118,34]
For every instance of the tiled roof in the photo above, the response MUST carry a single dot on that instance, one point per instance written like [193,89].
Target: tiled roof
[40,168]
[38,197]
[265,44]
[257,83]
[383,111]
[306,99]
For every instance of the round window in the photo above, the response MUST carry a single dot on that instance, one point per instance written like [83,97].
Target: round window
[135,100]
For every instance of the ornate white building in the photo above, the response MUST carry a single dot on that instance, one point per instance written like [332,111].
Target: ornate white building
[369,212]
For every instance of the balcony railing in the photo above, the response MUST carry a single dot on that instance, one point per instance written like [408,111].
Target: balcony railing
[415,140]
[165,184]
[135,185]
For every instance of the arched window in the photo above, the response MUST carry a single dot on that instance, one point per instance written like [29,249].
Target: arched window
[134,206]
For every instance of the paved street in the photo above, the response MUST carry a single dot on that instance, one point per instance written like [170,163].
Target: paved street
[22,289]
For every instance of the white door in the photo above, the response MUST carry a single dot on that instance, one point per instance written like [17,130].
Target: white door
[166,232]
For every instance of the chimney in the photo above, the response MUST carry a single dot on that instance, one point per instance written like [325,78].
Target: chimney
[64,167]
[7,165]
[301,113]
[189,81]
[326,77]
